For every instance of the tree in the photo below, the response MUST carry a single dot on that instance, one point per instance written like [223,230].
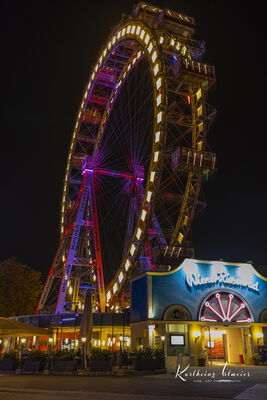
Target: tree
[20,287]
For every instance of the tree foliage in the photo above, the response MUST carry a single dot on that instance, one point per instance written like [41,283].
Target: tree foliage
[20,287]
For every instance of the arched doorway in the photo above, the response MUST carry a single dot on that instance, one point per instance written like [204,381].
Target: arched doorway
[226,332]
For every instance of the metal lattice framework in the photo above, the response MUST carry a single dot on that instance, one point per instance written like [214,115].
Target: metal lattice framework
[165,183]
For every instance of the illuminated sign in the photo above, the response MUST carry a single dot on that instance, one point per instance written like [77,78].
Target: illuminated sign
[195,279]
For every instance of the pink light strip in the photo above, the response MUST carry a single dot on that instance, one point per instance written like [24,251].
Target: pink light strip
[244,320]
[229,306]
[209,319]
[236,311]
[214,311]
[221,307]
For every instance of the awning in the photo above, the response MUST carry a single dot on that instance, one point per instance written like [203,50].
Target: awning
[13,328]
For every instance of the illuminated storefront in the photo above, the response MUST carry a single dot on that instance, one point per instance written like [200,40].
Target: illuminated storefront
[110,331]
[216,308]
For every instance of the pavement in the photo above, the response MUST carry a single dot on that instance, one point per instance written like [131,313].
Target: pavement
[200,383]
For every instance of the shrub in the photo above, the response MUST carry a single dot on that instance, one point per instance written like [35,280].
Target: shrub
[99,354]
[64,355]
[148,354]
[10,355]
[35,355]
[158,354]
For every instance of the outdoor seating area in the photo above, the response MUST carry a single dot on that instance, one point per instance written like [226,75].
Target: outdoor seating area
[97,362]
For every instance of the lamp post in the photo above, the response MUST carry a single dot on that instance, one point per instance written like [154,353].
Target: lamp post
[83,339]
[163,344]
[22,341]
[120,357]
[48,355]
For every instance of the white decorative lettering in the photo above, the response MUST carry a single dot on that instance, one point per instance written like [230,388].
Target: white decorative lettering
[193,279]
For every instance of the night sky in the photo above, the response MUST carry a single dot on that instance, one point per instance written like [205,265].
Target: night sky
[48,50]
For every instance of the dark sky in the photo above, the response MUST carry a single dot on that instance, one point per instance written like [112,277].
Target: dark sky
[48,50]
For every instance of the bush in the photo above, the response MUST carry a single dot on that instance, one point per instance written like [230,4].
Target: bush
[64,355]
[35,355]
[99,354]
[158,354]
[148,354]
[10,355]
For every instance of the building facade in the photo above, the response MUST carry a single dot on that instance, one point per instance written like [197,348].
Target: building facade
[214,308]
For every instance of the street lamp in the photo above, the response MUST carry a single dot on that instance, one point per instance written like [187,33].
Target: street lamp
[163,337]
[83,339]
[22,341]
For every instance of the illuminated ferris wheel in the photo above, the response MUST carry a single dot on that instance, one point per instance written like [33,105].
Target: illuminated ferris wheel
[136,163]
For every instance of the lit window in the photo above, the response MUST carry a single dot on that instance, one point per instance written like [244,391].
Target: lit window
[198,94]
[148,196]
[118,34]
[115,288]
[158,83]
[199,111]
[157,137]
[138,233]
[159,100]
[200,127]
[123,31]
[152,176]
[161,40]
[120,277]
[133,29]
[132,249]
[129,29]
[150,48]
[142,34]
[156,69]
[138,29]
[147,39]
[127,265]
[143,215]
[159,117]
[180,237]
[156,156]
[172,42]
[154,56]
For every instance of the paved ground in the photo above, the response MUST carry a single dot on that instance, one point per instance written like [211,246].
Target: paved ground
[208,386]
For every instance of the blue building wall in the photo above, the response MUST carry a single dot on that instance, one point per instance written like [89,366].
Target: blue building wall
[191,283]
[139,293]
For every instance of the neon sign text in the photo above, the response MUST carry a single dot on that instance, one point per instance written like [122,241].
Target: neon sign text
[220,277]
